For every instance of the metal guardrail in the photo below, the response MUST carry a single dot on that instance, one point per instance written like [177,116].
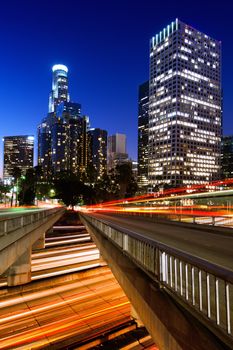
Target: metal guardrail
[224,220]
[19,220]
[205,287]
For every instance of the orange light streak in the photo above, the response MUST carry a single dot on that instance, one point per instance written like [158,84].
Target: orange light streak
[163,194]
[55,327]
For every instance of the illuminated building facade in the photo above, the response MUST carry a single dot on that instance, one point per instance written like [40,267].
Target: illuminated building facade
[98,150]
[59,91]
[134,167]
[68,144]
[44,148]
[62,139]
[18,153]
[143,123]
[185,107]
[227,157]
[116,150]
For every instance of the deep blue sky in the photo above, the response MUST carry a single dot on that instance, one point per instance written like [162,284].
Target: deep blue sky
[105,44]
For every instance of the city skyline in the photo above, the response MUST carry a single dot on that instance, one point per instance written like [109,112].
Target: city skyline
[114,105]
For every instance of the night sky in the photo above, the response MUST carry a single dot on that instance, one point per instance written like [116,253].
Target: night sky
[105,45]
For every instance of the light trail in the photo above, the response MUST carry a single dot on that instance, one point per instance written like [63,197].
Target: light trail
[53,260]
[68,241]
[86,266]
[65,262]
[192,191]
[64,272]
[42,294]
[64,228]
[98,298]
[58,238]
[51,306]
[59,251]
[81,307]
[66,256]
[55,327]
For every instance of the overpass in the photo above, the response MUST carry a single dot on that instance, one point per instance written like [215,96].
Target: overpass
[21,231]
[178,276]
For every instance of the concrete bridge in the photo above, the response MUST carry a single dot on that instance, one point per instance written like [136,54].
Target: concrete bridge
[178,276]
[20,232]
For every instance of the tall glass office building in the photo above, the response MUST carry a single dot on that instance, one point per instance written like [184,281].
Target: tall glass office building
[59,91]
[227,157]
[116,151]
[18,153]
[185,106]
[143,122]
[62,143]
[97,139]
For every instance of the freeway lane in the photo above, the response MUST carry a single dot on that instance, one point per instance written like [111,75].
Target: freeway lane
[214,248]
[73,299]
[64,252]
[6,212]
[43,317]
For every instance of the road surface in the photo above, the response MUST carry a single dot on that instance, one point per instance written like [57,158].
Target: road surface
[215,248]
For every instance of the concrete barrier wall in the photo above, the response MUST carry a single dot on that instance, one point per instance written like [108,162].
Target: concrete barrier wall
[18,234]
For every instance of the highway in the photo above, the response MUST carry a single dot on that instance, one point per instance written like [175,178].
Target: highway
[196,240]
[79,309]
[67,250]
[71,300]
[8,212]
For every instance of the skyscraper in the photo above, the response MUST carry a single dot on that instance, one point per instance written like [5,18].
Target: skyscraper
[44,148]
[227,157]
[116,150]
[18,153]
[98,150]
[62,144]
[185,106]
[59,91]
[143,122]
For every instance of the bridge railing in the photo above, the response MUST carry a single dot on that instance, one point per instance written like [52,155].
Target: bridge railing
[214,220]
[16,221]
[206,288]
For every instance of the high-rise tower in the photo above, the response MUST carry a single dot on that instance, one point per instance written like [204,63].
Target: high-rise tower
[143,121]
[59,91]
[98,151]
[18,153]
[185,107]
[62,142]
[227,157]
[116,151]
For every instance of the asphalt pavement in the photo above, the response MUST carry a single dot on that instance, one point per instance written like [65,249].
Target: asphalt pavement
[195,240]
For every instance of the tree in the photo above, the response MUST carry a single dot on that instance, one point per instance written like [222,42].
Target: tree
[4,189]
[69,188]
[126,181]
[167,186]
[106,188]
[43,190]
[89,194]
[27,191]
[156,188]
[91,174]
[16,176]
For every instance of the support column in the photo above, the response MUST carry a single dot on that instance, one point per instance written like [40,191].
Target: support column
[50,230]
[20,272]
[102,261]
[135,317]
[40,243]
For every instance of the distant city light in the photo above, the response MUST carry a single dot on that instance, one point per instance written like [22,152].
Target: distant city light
[30,137]
[60,67]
